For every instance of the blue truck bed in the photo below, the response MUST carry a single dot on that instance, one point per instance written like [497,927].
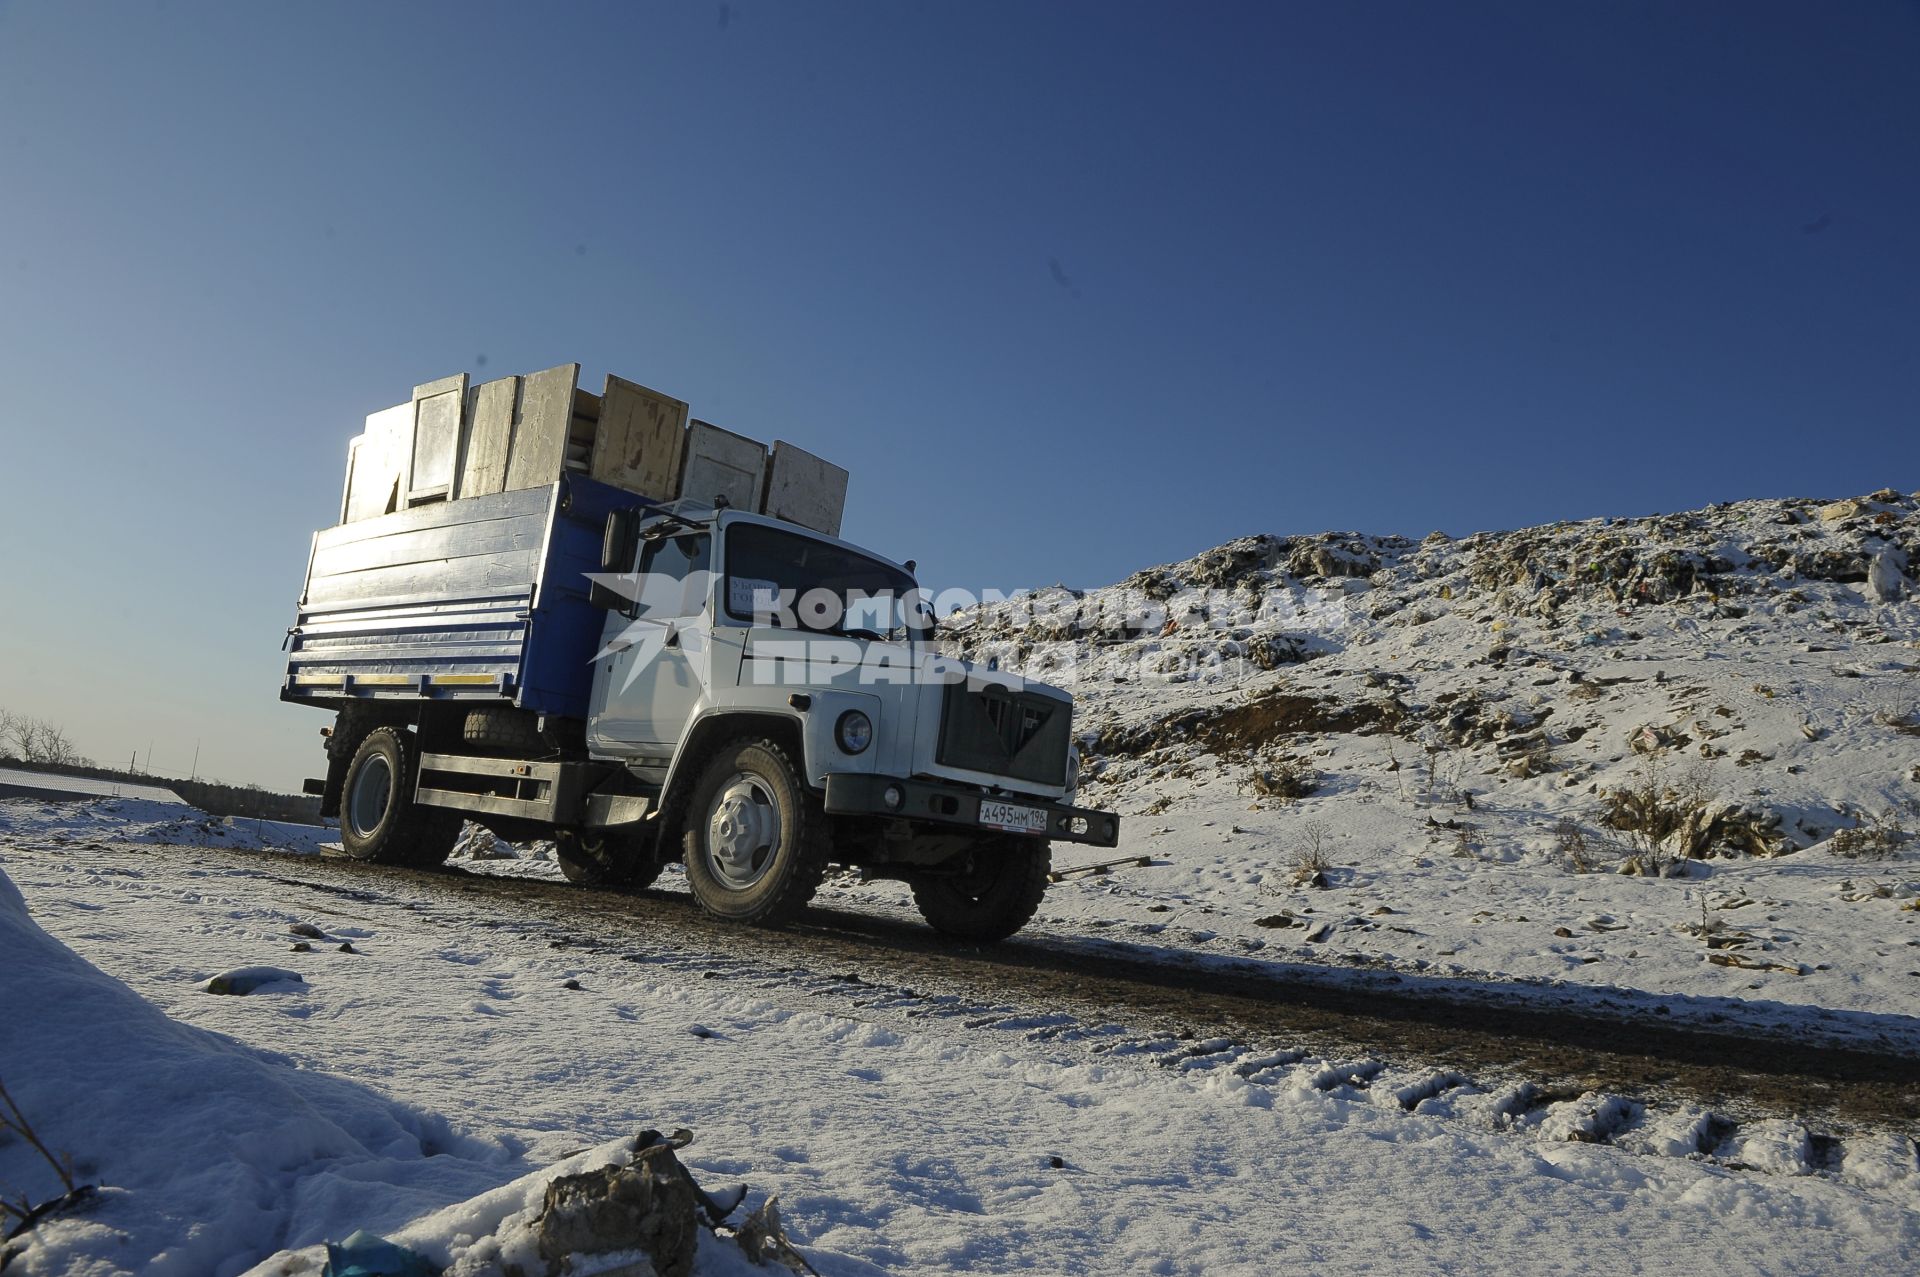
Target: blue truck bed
[482,600]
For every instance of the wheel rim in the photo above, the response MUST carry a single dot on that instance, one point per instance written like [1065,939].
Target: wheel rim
[977,881]
[372,789]
[743,832]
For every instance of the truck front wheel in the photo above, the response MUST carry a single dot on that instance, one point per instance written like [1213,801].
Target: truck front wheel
[379,821]
[756,837]
[990,893]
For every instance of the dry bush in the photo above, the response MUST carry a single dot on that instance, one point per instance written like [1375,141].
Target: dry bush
[1651,808]
[1570,841]
[1532,760]
[1904,719]
[1310,863]
[1871,838]
[1287,779]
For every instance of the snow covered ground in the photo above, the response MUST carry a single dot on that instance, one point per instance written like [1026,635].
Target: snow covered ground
[434,1063]
[1364,758]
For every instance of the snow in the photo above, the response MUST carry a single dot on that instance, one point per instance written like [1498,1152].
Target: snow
[428,1083]
[242,1125]
[212,1153]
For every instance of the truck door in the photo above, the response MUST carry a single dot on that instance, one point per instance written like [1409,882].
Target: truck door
[653,667]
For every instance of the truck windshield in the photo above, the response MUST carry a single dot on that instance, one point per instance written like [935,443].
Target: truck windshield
[795,582]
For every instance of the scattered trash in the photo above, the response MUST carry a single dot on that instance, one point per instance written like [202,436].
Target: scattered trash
[365,1255]
[1100,867]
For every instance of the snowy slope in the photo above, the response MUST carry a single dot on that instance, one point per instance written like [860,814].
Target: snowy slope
[212,1153]
[1464,716]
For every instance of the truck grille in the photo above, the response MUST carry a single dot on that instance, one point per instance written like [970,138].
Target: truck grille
[1021,735]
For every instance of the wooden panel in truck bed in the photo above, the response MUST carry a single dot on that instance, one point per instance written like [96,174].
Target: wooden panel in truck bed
[478,599]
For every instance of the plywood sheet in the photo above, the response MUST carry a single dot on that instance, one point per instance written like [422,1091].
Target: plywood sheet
[353,458]
[805,489]
[379,463]
[641,438]
[438,408]
[539,450]
[722,463]
[489,438]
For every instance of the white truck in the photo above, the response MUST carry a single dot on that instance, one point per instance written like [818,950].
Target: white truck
[647,680]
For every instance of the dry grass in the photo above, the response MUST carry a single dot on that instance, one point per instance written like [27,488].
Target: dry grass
[13,1123]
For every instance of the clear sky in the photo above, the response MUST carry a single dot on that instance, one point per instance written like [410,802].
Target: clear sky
[1071,289]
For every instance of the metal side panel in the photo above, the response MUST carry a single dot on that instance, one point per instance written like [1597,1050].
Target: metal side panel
[485,597]
[566,627]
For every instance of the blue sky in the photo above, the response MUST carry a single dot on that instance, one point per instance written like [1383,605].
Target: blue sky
[1072,289]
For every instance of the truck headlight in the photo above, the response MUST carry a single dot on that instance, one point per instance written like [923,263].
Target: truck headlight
[854,732]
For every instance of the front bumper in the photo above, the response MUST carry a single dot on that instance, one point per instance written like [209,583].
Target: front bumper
[858,794]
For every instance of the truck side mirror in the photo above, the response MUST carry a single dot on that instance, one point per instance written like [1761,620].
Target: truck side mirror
[619,546]
[621,542]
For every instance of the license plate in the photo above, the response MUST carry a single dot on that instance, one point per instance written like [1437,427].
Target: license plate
[1025,820]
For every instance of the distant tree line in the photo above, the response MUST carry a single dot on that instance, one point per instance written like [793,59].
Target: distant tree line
[35,740]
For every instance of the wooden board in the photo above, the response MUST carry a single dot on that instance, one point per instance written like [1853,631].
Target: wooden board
[438,408]
[804,489]
[539,451]
[380,463]
[488,439]
[639,443]
[720,463]
[353,459]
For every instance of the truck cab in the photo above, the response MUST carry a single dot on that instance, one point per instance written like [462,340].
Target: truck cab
[783,692]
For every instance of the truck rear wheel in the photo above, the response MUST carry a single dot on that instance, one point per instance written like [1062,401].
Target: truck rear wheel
[756,837]
[995,890]
[379,821]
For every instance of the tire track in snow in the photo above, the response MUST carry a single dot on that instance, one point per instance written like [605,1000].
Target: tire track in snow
[1853,1127]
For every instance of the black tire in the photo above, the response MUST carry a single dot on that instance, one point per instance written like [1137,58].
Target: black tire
[504,728]
[379,821]
[993,891]
[594,858]
[756,836]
